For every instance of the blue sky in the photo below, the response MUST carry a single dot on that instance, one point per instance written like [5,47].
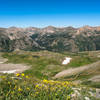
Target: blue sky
[41,13]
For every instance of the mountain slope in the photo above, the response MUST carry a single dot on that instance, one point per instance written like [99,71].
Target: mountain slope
[50,38]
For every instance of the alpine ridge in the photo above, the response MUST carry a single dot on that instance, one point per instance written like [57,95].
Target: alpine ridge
[50,38]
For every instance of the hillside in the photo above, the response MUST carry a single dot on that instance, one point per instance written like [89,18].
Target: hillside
[50,38]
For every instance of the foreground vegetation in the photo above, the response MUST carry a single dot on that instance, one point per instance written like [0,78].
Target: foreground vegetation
[23,87]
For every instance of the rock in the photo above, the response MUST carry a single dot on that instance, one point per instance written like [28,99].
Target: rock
[87,98]
[98,93]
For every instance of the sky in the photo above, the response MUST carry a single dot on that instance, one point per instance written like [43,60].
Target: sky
[42,13]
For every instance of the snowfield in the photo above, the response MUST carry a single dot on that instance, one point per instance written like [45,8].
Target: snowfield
[66,61]
[9,72]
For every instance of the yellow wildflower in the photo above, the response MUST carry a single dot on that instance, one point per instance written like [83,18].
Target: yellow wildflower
[45,81]
[27,76]
[17,74]
[37,86]
[19,89]
[23,74]
[28,88]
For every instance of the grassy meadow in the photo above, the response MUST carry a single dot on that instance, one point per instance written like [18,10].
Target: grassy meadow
[45,64]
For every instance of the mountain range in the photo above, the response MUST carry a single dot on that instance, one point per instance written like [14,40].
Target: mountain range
[50,38]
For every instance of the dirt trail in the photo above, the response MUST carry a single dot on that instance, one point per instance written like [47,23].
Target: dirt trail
[11,68]
[73,71]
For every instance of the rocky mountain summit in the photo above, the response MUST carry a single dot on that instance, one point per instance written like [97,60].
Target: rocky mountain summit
[50,38]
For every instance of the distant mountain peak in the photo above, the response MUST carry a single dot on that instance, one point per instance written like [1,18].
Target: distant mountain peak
[49,27]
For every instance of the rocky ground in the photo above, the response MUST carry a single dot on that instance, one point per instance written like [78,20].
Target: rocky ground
[11,68]
[74,71]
